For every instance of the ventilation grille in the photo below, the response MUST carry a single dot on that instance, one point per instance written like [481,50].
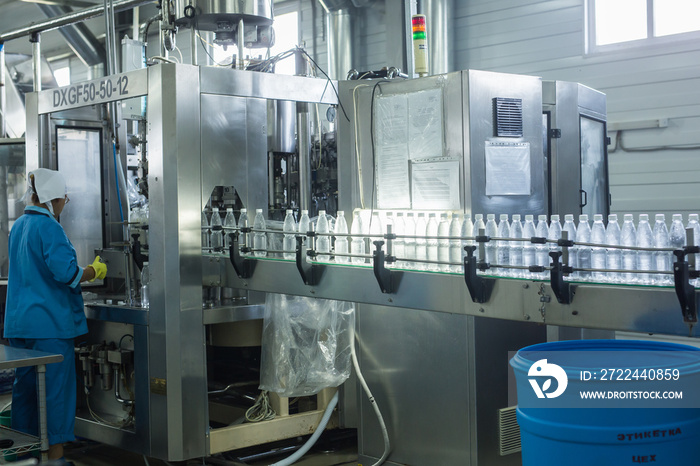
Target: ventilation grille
[508,431]
[508,114]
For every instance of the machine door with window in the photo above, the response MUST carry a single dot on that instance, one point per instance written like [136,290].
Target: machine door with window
[595,198]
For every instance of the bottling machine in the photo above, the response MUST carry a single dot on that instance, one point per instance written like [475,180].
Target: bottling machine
[149,153]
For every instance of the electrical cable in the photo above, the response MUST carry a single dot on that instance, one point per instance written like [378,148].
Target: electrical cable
[374,161]
[330,81]
[261,409]
[312,440]
[370,397]
[356,133]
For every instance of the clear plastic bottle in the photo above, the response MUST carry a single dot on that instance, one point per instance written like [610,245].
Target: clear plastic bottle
[491,247]
[431,229]
[570,228]
[467,232]
[628,237]
[323,243]
[290,242]
[376,232]
[583,253]
[399,243]
[244,240]
[229,225]
[217,238]
[410,243]
[357,244]
[455,244]
[421,243]
[145,286]
[613,257]
[645,239]
[444,243]
[341,242]
[663,258]
[529,251]
[304,227]
[598,258]
[259,237]
[694,225]
[516,247]
[542,250]
[205,231]
[554,232]
[479,227]
[676,234]
[503,247]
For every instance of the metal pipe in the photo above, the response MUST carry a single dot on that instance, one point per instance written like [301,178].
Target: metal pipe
[113,34]
[71,18]
[241,40]
[440,31]
[193,46]
[36,60]
[339,27]
[304,145]
[109,43]
[79,37]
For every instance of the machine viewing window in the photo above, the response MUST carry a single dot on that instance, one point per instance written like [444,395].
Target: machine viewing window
[614,25]
[79,154]
[593,167]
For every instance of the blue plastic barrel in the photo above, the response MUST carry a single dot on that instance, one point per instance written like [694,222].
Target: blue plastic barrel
[607,436]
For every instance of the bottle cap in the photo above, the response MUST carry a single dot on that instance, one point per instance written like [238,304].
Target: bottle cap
[431,215]
[399,214]
[290,211]
[478,217]
[215,209]
[258,211]
[643,217]
[660,218]
[612,218]
[504,217]
[321,212]
[490,217]
[341,213]
[583,218]
[529,218]
[542,218]
[389,214]
[421,214]
[598,218]
[244,210]
[555,218]
[516,217]
[678,217]
[304,212]
[629,218]
[693,217]
[569,217]
[229,209]
[455,215]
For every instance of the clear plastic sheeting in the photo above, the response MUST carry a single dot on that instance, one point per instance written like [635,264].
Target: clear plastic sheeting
[508,169]
[305,344]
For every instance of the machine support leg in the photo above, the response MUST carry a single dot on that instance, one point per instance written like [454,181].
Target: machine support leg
[41,402]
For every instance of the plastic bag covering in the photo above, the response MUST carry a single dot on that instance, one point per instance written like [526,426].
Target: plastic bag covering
[305,344]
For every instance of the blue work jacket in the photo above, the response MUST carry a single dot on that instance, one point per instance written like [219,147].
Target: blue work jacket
[44,297]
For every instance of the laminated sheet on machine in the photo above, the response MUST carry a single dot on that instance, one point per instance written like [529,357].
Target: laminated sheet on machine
[409,126]
[508,169]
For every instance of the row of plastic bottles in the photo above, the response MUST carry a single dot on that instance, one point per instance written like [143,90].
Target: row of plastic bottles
[422,241]
[216,234]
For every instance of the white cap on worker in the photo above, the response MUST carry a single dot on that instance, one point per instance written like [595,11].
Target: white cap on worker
[49,184]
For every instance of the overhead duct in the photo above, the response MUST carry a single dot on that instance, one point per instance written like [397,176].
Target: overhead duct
[440,32]
[339,39]
[79,37]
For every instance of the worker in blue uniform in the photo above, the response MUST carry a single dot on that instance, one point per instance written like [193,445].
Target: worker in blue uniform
[44,308]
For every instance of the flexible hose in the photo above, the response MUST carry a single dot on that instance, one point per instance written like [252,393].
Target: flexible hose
[372,401]
[116,175]
[312,440]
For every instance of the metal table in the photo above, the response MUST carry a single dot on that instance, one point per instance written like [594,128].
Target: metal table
[11,358]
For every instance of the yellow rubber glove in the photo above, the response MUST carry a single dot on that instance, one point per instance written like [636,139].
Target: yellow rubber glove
[100,269]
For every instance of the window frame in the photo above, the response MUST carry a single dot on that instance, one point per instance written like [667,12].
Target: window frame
[651,41]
